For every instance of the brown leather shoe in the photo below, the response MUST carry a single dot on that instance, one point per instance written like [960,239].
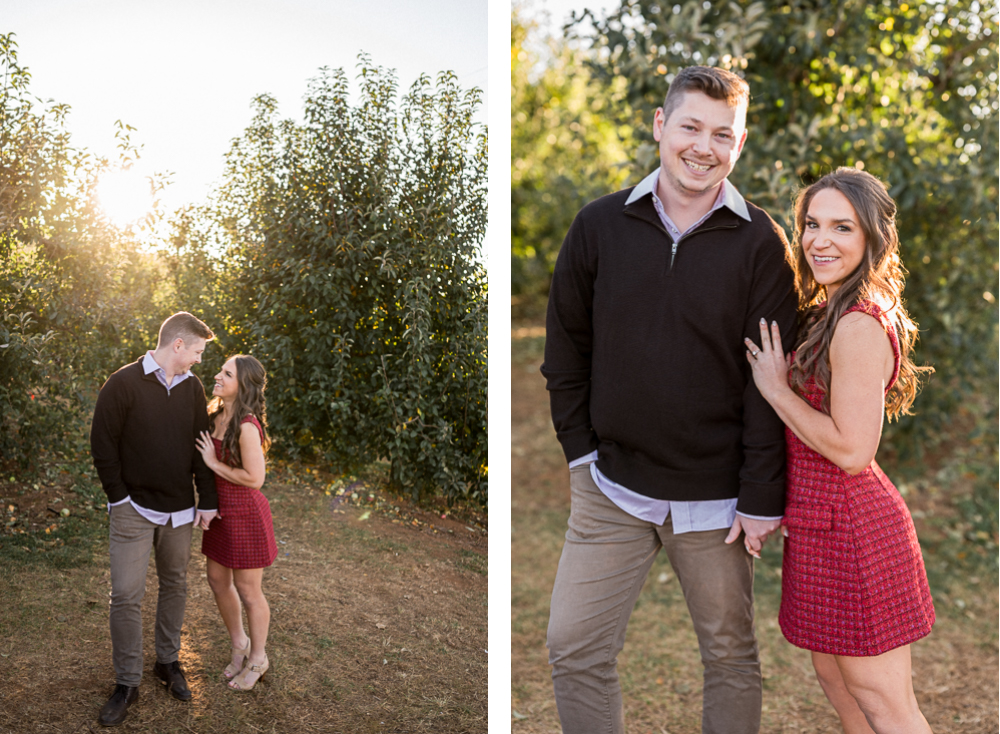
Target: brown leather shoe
[171,675]
[114,711]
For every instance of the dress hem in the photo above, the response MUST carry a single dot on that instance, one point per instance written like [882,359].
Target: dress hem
[240,568]
[812,646]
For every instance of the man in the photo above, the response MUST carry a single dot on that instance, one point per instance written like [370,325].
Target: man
[669,442]
[147,418]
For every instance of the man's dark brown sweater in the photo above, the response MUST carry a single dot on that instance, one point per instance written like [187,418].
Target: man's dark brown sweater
[644,354]
[143,441]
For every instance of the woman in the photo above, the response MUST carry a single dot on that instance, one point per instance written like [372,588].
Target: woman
[854,589]
[240,542]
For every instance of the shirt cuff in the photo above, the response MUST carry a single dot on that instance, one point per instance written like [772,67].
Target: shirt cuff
[586,459]
[759,517]
[119,502]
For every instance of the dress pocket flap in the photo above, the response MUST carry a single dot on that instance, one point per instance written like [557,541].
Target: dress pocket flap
[811,517]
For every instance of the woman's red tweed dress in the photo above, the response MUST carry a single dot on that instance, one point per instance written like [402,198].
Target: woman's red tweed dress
[852,578]
[243,534]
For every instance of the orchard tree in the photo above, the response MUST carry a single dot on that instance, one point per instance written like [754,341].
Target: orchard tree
[353,271]
[74,289]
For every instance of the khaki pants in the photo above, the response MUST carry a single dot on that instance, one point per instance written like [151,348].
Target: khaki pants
[604,563]
[132,538]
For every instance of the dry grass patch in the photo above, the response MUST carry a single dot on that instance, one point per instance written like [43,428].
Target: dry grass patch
[377,625]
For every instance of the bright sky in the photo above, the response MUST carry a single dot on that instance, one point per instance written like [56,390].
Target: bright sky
[559,11]
[184,72]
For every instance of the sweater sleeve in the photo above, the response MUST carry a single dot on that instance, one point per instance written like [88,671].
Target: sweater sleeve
[105,433]
[569,343]
[204,478]
[772,297]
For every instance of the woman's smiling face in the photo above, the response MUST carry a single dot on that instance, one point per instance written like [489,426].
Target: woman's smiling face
[832,239]
[226,384]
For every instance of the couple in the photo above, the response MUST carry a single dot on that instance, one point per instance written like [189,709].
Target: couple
[677,411]
[152,432]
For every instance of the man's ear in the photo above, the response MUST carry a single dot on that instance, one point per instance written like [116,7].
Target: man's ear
[658,124]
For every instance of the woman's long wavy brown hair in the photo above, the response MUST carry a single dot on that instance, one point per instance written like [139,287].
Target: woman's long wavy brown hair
[251,380]
[879,279]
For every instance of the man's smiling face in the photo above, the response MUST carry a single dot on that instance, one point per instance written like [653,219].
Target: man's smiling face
[187,356]
[699,144]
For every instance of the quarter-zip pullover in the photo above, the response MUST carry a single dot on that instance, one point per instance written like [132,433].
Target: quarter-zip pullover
[644,358]
[143,441]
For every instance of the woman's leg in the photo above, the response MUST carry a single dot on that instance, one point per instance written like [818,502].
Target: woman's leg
[883,688]
[227,599]
[852,718]
[248,584]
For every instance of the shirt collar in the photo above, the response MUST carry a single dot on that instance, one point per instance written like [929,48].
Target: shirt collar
[731,198]
[150,365]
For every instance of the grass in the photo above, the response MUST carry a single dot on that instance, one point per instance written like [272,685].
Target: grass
[378,625]
[953,500]
[472,561]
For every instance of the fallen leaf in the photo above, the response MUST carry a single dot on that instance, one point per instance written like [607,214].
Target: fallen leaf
[380,625]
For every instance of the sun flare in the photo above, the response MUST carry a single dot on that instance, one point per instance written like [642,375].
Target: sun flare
[125,196]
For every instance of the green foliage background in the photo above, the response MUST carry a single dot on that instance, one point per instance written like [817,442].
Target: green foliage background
[352,273]
[908,92]
[567,149]
[343,252]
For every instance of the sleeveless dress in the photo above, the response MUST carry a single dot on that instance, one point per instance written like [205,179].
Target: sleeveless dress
[243,534]
[852,577]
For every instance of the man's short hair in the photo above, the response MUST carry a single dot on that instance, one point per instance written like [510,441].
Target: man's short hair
[184,326]
[710,81]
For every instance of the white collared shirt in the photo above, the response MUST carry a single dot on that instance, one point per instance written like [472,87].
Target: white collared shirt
[149,365]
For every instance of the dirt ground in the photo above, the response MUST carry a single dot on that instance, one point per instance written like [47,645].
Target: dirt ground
[378,623]
[955,668]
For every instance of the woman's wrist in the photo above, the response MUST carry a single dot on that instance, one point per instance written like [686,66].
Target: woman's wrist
[780,397]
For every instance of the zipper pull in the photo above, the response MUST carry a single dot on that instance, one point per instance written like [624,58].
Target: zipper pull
[673,254]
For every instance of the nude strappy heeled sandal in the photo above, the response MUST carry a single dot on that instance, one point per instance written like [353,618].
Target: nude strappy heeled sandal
[232,670]
[239,682]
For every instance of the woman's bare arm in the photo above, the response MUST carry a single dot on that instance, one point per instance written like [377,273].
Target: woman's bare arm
[251,452]
[861,362]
